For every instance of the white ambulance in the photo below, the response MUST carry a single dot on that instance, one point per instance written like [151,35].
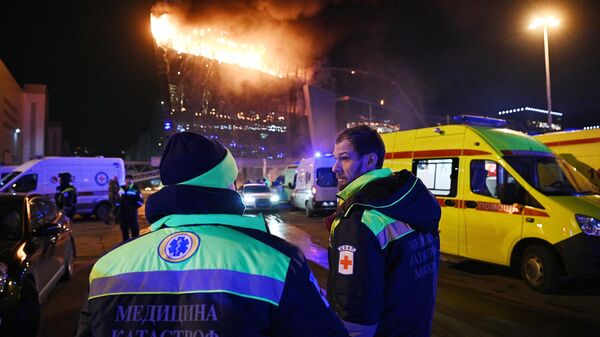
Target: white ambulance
[90,176]
[316,185]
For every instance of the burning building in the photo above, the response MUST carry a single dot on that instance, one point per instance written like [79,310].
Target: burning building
[228,91]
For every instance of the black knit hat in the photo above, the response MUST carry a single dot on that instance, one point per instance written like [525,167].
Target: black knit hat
[188,156]
[65,177]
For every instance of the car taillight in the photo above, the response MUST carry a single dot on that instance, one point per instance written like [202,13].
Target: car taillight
[313,190]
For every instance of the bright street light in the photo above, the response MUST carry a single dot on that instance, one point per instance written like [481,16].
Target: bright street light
[547,21]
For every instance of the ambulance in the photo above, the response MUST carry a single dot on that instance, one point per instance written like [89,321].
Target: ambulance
[506,199]
[580,148]
[90,176]
[315,188]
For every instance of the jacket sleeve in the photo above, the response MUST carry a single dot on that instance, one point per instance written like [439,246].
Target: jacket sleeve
[356,277]
[303,310]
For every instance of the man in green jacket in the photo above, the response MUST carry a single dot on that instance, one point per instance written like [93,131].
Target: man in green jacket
[205,269]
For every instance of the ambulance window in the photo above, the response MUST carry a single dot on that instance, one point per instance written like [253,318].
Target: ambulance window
[483,178]
[439,175]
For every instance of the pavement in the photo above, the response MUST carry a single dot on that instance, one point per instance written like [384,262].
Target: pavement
[95,238]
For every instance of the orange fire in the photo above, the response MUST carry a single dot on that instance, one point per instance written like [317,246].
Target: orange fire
[210,43]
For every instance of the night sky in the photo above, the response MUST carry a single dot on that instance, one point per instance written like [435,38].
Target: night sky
[449,57]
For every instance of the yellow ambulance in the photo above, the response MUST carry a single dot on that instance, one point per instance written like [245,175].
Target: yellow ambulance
[580,148]
[506,199]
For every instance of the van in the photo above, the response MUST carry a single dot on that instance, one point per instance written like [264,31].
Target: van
[506,199]
[316,185]
[580,148]
[90,176]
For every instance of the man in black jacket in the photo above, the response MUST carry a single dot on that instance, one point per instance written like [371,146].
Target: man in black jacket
[66,194]
[384,245]
[131,200]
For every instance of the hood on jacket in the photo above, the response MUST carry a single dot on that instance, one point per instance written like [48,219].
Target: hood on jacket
[401,196]
[185,199]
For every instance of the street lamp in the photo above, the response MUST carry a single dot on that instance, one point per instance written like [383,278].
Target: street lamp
[548,21]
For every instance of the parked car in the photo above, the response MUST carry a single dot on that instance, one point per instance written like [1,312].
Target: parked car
[36,250]
[259,196]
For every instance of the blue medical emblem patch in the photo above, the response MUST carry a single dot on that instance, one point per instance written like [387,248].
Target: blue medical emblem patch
[178,247]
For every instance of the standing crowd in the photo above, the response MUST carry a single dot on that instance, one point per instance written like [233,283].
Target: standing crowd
[208,269]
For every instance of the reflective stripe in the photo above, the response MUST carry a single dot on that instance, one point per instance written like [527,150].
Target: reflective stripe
[191,281]
[393,231]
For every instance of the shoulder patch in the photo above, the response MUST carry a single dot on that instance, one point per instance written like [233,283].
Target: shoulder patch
[179,246]
[346,260]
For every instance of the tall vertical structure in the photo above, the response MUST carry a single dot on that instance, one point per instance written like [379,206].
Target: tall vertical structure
[35,104]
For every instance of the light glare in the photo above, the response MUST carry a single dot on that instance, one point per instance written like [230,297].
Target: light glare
[549,20]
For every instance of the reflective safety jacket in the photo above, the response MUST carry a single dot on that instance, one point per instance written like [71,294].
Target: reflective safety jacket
[383,255]
[131,198]
[66,198]
[205,275]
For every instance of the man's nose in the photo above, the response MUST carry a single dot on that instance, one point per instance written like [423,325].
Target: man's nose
[335,167]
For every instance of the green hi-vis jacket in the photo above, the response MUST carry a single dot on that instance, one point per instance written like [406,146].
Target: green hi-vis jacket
[206,275]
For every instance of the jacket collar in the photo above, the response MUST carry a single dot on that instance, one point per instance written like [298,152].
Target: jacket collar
[178,205]
[361,181]
[243,221]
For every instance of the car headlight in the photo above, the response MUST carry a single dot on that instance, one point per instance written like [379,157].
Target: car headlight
[3,276]
[274,198]
[588,224]
[249,198]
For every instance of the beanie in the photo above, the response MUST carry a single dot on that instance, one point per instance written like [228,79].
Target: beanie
[65,177]
[192,159]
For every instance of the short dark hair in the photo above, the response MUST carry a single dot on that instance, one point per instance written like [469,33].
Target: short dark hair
[129,176]
[365,140]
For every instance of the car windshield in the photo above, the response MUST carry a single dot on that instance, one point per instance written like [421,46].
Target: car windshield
[256,189]
[326,178]
[552,176]
[10,219]
[7,178]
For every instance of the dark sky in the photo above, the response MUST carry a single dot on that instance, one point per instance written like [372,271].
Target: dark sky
[449,57]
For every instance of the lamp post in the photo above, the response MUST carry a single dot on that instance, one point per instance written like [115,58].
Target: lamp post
[546,22]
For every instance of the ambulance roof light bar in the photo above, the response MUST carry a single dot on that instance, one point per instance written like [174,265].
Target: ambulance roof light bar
[480,120]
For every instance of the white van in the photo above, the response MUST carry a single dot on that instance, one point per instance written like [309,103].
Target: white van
[316,185]
[90,176]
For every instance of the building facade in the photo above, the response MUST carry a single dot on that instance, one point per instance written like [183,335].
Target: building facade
[531,120]
[22,119]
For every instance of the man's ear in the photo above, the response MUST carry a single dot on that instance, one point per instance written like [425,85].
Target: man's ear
[372,161]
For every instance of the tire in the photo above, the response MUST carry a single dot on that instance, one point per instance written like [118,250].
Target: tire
[69,262]
[103,211]
[539,269]
[308,209]
[28,311]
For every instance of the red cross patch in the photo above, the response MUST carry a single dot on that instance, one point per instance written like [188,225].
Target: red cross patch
[346,260]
